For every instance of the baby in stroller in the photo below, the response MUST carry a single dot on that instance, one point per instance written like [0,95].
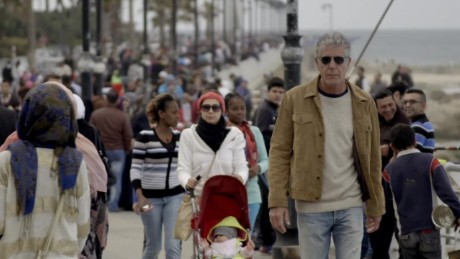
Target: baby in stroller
[225,241]
[221,222]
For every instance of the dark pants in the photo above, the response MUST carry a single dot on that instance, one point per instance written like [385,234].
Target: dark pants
[419,245]
[381,239]
[267,235]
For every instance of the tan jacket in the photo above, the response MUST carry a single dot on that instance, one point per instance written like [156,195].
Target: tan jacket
[297,148]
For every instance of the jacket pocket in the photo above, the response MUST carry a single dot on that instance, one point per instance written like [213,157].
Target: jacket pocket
[302,118]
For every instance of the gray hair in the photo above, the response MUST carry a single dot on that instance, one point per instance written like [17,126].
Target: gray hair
[333,39]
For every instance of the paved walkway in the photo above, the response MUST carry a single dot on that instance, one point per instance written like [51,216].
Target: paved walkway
[126,237]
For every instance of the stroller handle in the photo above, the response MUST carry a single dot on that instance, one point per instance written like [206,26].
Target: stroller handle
[191,191]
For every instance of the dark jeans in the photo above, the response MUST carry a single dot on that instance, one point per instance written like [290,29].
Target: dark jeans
[381,239]
[419,245]
[267,235]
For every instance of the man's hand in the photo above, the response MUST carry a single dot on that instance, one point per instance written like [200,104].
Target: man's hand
[373,223]
[279,216]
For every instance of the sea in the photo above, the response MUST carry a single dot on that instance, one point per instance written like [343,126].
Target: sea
[410,47]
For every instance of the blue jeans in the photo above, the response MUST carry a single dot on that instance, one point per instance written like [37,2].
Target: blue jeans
[253,212]
[117,163]
[345,227]
[164,212]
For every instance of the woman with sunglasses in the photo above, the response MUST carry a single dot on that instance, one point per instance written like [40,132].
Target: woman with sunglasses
[256,153]
[154,178]
[210,147]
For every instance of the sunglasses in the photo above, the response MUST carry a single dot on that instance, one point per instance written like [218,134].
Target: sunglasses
[338,60]
[208,107]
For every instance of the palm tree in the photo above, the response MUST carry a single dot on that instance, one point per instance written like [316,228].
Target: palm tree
[163,10]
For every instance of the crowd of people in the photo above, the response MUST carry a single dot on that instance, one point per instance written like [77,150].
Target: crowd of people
[337,149]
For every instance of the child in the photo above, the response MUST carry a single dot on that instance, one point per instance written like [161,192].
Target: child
[412,176]
[225,239]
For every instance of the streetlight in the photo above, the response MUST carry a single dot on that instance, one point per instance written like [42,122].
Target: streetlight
[292,55]
[85,64]
[99,66]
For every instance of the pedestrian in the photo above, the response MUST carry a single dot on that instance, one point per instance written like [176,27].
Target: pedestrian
[210,147]
[116,134]
[265,118]
[88,142]
[415,179]
[325,155]
[389,115]
[256,154]
[154,177]
[414,105]
[39,171]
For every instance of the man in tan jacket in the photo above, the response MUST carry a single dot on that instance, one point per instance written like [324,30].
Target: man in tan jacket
[325,155]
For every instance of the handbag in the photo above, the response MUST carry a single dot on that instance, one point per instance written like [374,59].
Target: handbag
[42,253]
[183,227]
[111,179]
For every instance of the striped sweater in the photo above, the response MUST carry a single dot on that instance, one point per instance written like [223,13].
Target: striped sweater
[154,165]
[424,133]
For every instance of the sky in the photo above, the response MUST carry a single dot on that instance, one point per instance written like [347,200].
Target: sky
[364,14]
[349,14]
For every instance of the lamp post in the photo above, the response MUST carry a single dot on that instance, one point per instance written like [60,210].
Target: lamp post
[292,55]
[85,65]
[145,54]
[99,66]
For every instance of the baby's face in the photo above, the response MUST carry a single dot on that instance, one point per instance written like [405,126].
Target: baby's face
[220,239]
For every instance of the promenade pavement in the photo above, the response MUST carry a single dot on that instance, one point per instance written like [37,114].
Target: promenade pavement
[126,237]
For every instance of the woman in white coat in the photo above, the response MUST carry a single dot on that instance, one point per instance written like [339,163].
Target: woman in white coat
[211,148]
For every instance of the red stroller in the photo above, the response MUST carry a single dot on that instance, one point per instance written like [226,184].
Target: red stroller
[222,196]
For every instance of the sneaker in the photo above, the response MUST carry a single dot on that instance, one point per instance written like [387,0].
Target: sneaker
[265,250]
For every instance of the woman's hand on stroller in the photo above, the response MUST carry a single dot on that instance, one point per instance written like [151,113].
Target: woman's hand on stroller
[191,183]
